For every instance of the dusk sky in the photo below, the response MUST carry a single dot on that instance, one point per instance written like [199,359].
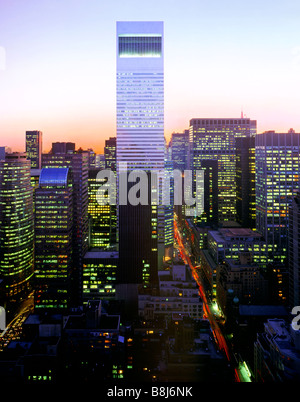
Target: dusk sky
[58,65]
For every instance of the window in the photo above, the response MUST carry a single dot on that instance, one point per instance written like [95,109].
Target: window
[140,46]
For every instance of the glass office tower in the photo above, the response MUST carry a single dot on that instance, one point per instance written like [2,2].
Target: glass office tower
[245,182]
[16,226]
[53,239]
[215,139]
[77,162]
[277,182]
[140,145]
[34,148]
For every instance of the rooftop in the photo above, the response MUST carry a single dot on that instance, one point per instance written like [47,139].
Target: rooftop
[51,176]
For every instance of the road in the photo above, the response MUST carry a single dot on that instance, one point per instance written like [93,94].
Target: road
[207,307]
[14,327]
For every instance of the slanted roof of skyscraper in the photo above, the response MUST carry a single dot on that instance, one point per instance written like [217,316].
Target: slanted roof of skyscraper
[51,176]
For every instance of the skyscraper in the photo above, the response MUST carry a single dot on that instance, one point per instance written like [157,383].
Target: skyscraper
[34,148]
[110,153]
[179,145]
[294,251]
[101,217]
[277,181]
[140,145]
[140,95]
[245,182]
[16,226]
[53,239]
[215,139]
[77,162]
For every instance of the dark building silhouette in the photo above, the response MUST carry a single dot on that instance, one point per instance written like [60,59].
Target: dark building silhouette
[294,252]
[245,181]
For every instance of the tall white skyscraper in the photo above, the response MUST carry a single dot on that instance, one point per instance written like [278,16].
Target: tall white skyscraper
[140,145]
[140,95]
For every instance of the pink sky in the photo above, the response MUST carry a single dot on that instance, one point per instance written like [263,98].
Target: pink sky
[57,65]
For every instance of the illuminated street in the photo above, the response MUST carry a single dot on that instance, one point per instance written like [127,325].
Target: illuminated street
[241,373]
[14,327]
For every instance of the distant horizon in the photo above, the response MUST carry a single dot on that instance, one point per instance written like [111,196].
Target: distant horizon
[58,66]
[78,146]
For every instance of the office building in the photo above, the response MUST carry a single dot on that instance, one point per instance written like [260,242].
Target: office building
[140,145]
[245,182]
[53,239]
[277,182]
[16,227]
[214,139]
[62,147]
[179,150]
[77,161]
[110,163]
[229,242]
[101,221]
[110,157]
[243,278]
[294,251]
[99,274]
[34,142]
[102,215]
[177,296]
[210,215]
[3,151]
[277,353]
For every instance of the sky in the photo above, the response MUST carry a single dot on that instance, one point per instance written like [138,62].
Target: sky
[222,57]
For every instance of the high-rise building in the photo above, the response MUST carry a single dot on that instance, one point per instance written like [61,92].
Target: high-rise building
[277,182]
[77,162]
[53,239]
[110,154]
[214,139]
[140,145]
[245,182]
[110,162]
[62,147]
[140,95]
[3,151]
[294,251]
[102,221]
[16,226]
[179,150]
[99,274]
[34,148]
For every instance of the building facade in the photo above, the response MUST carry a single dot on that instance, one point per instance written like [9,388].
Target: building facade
[179,150]
[277,182]
[140,145]
[53,239]
[77,161]
[214,139]
[294,252]
[16,226]
[34,142]
[245,182]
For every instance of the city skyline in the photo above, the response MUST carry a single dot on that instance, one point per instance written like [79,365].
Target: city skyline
[58,74]
[123,257]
